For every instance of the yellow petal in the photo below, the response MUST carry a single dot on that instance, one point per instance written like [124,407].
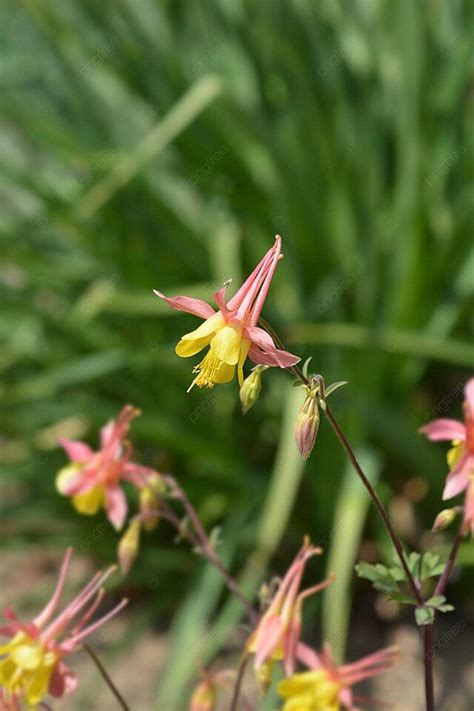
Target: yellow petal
[189,348]
[455,454]
[66,475]
[208,328]
[90,501]
[244,350]
[224,373]
[226,345]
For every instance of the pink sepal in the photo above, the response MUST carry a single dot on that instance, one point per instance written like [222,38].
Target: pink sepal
[116,506]
[268,638]
[197,307]
[444,429]
[264,352]
[63,681]
[76,451]
[458,478]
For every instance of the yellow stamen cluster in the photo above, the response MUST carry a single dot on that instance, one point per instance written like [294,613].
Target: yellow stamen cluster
[207,370]
[26,668]
[310,691]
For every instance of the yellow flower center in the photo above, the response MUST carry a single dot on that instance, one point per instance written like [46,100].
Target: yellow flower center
[227,349]
[26,667]
[207,370]
[310,691]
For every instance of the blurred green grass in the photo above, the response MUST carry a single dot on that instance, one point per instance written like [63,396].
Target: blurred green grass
[161,145]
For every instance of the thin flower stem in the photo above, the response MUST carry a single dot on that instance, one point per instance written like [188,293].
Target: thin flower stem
[377,502]
[350,452]
[443,581]
[206,548]
[428,664]
[122,703]
[238,683]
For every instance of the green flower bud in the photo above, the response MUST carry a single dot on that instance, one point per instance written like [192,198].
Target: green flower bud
[445,518]
[251,387]
[129,545]
[307,425]
[150,498]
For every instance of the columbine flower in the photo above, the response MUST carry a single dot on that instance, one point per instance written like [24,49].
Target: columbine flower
[461,456]
[327,686]
[93,478]
[277,635]
[31,662]
[232,332]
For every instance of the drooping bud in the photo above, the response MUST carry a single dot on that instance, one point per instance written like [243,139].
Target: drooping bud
[129,545]
[204,696]
[150,497]
[445,518]
[251,387]
[307,424]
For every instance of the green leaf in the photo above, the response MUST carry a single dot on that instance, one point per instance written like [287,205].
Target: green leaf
[424,615]
[404,599]
[445,608]
[335,386]
[436,600]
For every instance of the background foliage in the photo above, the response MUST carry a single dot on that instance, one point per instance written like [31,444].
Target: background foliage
[161,144]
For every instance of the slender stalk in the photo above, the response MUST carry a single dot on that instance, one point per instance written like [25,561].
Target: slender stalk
[428,664]
[377,502]
[238,684]
[121,701]
[443,581]
[205,546]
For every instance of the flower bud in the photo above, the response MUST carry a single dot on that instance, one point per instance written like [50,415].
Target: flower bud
[128,546]
[251,387]
[445,518]
[150,496]
[204,697]
[307,425]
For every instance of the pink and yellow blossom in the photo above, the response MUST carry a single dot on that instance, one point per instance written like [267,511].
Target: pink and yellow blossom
[277,634]
[232,332]
[93,479]
[460,456]
[326,686]
[31,662]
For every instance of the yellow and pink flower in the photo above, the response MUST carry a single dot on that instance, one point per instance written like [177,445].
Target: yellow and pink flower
[277,634]
[31,662]
[326,686]
[460,456]
[232,332]
[93,479]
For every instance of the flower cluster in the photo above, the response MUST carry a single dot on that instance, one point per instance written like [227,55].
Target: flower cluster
[277,638]
[31,662]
